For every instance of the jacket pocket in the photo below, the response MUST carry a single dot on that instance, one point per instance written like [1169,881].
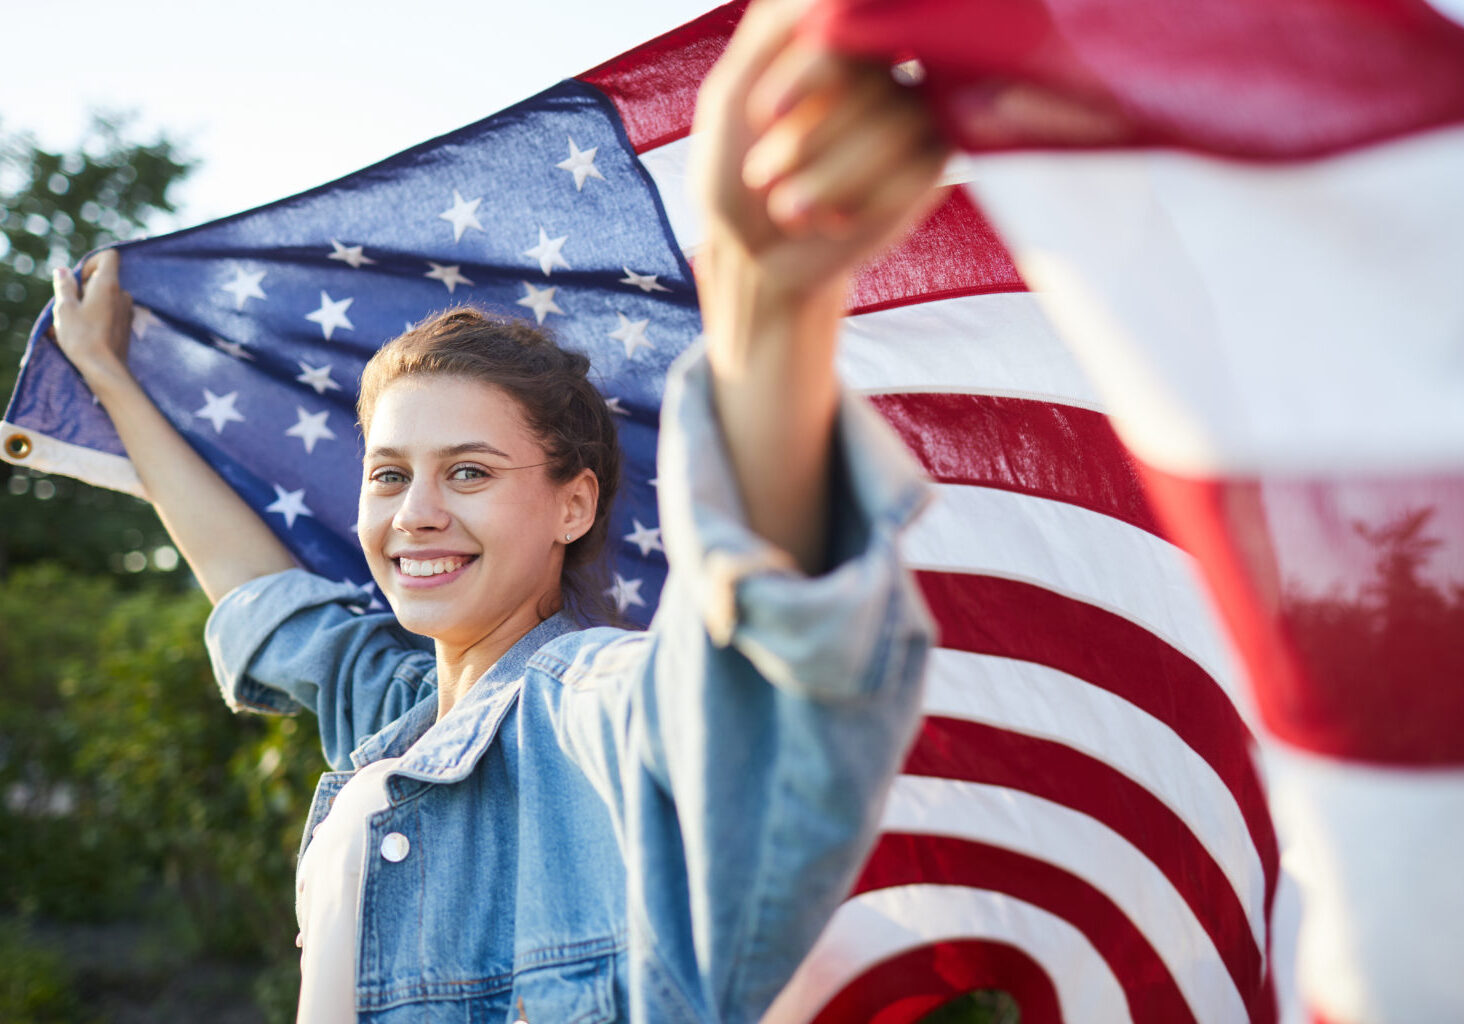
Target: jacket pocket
[578,992]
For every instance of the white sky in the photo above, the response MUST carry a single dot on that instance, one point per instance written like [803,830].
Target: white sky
[275,97]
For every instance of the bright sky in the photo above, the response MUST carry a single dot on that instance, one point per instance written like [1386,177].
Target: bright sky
[275,97]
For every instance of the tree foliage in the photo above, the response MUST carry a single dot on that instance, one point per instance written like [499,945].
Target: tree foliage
[130,799]
[55,207]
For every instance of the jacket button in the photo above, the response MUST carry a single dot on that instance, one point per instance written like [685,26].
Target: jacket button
[394,846]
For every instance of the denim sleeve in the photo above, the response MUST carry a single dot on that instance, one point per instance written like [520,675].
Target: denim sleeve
[295,641]
[745,745]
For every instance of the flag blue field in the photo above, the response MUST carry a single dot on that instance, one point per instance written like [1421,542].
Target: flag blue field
[251,331]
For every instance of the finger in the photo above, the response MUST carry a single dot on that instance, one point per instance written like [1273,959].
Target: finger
[794,74]
[817,122]
[999,114]
[103,266]
[766,28]
[839,181]
[63,284]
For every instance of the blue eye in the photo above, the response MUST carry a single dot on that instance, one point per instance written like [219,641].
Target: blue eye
[388,476]
[469,472]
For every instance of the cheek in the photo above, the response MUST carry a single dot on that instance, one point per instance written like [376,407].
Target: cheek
[372,517]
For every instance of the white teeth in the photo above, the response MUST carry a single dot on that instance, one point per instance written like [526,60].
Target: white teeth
[412,567]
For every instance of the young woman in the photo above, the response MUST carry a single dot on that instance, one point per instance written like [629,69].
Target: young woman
[575,824]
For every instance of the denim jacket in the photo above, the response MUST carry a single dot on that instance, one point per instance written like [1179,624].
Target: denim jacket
[648,826]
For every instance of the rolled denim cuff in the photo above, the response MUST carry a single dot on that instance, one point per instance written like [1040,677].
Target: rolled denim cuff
[827,636]
[245,619]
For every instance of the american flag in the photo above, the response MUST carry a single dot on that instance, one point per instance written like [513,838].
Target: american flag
[1080,821]
[1261,269]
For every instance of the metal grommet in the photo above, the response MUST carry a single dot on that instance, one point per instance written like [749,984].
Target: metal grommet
[17,446]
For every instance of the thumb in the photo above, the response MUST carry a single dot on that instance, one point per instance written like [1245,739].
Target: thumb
[63,284]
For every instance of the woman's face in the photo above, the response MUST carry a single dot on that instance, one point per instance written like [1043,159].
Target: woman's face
[461,525]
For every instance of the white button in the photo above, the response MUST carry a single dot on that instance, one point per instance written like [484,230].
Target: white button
[394,846]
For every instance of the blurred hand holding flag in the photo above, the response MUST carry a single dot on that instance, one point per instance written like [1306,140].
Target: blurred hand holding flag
[1080,821]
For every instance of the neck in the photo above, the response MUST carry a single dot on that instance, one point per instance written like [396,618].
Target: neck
[459,667]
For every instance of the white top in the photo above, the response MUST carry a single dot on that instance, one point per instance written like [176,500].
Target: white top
[328,896]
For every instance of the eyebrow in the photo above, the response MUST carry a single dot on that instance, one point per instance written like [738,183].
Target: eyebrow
[446,452]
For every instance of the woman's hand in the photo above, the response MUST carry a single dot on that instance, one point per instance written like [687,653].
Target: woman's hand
[808,162]
[220,536]
[93,329]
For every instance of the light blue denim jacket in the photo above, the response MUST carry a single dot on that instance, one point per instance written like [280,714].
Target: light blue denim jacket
[618,825]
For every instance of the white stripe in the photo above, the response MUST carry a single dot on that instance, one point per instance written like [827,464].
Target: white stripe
[876,926]
[1085,555]
[667,168]
[1379,856]
[1086,848]
[48,455]
[1243,318]
[1036,700]
[999,344]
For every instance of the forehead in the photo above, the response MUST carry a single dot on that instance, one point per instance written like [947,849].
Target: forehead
[435,411]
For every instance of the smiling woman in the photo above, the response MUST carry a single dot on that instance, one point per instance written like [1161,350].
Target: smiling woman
[491,465]
[532,817]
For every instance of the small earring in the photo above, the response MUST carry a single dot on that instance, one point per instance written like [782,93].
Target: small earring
[567,537]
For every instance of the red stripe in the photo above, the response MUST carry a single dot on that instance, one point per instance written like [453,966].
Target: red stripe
[654,86]
[901,859]
[905,988]
[1251,78]
[955,252]
[988,615]
[1044,449]
[1346,600]
[957,749]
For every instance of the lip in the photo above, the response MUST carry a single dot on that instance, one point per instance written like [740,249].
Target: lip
[428,582]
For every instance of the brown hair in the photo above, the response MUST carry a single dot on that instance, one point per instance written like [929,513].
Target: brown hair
[560,406]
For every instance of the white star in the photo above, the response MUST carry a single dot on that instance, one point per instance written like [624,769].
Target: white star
[613,404]
[350,254]
[450,276]
[645,282]
[143,320]
[289,504]
[547,252]
[626,592]
[463,215]
[233,348]
[647,538]
[317,377]
[332,314]
[370,590]
[310,428]
[244,286]
[540,300]
[581,164]
[632,333]
[219,410]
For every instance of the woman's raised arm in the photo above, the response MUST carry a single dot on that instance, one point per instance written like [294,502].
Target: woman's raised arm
[808,163]
[224,541]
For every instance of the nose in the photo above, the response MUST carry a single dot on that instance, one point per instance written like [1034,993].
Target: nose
[422,508]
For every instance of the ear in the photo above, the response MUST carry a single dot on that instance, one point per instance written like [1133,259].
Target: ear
[579,497]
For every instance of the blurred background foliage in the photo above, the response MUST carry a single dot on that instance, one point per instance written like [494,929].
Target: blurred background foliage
[147,837]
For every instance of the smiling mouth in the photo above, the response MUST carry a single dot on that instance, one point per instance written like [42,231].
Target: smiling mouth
[432,567]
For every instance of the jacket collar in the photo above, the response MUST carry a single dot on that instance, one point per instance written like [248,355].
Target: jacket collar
[448,750]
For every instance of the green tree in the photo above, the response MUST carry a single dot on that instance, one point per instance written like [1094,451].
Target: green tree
[54,208]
